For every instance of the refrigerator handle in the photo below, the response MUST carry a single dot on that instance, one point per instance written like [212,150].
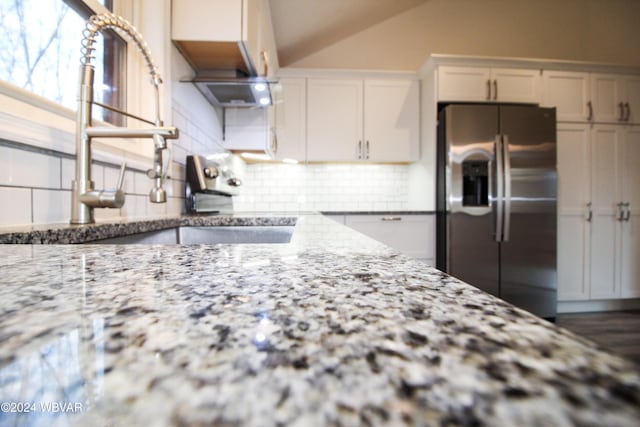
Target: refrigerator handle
[507,188]
[499,187]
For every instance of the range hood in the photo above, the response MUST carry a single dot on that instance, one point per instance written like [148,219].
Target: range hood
[232,91]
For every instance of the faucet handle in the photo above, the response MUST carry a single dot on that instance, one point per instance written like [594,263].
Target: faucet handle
[121,176]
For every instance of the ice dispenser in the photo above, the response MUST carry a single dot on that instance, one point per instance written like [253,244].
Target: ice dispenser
[475,183]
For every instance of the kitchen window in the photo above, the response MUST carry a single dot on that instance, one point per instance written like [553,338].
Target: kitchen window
[40,47]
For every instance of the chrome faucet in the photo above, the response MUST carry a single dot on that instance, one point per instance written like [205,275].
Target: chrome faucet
[84,196]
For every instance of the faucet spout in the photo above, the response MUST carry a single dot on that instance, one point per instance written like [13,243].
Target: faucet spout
[167,132]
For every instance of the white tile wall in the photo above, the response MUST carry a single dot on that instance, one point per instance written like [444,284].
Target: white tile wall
[28,169]
[51,206]
[276,187]
[16,206]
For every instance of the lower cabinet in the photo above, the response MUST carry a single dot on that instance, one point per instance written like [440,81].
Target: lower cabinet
[598,212]
[413,235]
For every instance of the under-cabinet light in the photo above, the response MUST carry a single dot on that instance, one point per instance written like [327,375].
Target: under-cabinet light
[255,156]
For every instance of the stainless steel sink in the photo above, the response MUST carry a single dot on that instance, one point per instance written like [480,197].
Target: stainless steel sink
[207,235]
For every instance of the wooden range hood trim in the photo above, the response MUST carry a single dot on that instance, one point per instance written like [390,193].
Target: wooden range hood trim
[208,55]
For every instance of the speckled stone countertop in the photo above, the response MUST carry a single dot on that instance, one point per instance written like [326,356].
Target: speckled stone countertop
[332,328]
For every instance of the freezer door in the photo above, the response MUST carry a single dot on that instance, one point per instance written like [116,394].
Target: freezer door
[473,253]
[528,250]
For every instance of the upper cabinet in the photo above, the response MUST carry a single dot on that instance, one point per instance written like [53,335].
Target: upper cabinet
[353,119]
[592,97]
[290,119]
[334,120]
[483,84]
[391,120]
[234,35]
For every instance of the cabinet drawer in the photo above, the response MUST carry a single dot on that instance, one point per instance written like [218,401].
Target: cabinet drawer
[413,235]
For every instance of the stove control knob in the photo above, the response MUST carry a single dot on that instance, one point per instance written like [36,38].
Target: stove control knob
[234,182]
[211,172]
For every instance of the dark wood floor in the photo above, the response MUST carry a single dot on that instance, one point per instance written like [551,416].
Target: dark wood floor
[616,332]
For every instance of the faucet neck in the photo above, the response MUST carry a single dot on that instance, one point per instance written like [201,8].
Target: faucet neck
[80,212]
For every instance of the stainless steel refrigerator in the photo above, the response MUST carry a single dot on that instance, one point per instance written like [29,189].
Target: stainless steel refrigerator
[496,201]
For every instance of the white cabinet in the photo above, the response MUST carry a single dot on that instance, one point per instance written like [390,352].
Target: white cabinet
[362,120]
[631,95]
[413,235]
[334,119]
[606,98]
[630,224]
[605,194]
[247,129]
[391,120]
[598,215]
[592,97]
[290,115]
[569,93]
[574,194]
[482,84]
[225,34]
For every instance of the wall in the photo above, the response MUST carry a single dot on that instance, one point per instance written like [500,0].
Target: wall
[585,30]
[323,187]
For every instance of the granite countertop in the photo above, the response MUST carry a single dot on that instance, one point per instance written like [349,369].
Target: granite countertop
[332,328]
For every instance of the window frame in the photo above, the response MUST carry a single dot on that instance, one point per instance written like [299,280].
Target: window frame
[121,61]
[31,119]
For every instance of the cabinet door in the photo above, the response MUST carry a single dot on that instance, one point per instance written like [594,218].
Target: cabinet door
[568,92]
[573,151]
[606,98]
[413,235]
[246,129]
[464,83]
[334,120]
[515,85]
[207,20]
[391,120]
[252,31]
[290,109]
[632,93]
[605,146]
[630,227]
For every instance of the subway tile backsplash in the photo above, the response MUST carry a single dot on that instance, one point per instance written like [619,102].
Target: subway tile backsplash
[35,188]
[323,187]
[35,184]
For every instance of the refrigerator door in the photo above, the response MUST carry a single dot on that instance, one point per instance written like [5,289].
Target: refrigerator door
[471,182]
[528,250]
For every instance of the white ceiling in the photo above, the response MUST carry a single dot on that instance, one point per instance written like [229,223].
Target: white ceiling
[303,27]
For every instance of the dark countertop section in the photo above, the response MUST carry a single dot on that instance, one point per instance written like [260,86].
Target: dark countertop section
[378,212]
[332,328]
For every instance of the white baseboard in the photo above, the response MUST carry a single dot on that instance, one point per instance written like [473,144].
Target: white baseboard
[601,305]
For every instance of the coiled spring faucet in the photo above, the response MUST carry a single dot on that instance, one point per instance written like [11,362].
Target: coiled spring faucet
[84,196]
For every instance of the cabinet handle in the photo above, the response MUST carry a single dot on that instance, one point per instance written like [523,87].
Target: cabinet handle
[360,149]
[621,109]
[495,90]
[488,90]
[391,218]
[265,61]
[590,108]
[628,108]
[590,212]
[620,216]
[366,150]
[274,141]
[627,215]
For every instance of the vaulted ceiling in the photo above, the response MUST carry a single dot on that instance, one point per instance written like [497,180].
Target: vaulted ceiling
[303,27]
